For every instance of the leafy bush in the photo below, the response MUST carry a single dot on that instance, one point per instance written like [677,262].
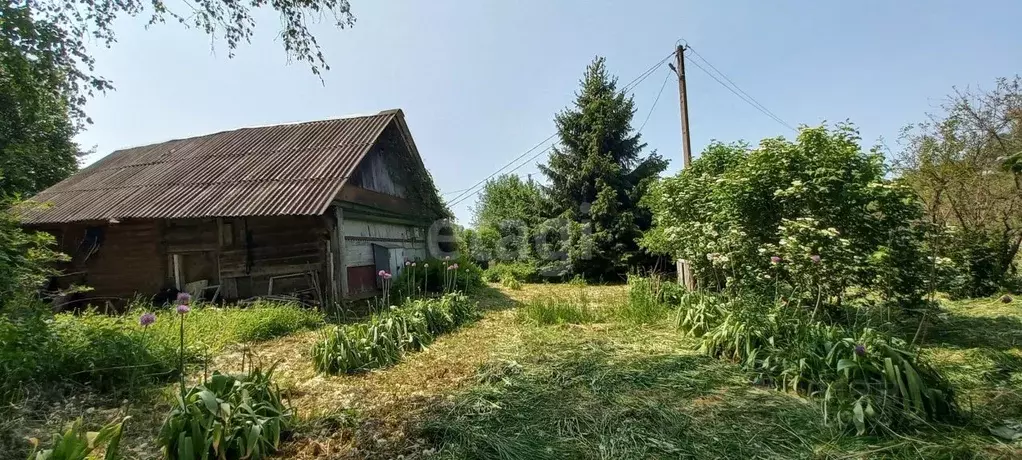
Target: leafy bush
[649,299]
[968,263]
[77,444]
[386,337]
[428,277]
[230,416]
[511,283]
[812,219]
[26,258]
[519,271]
[117,353]
[547,311]
[868,380]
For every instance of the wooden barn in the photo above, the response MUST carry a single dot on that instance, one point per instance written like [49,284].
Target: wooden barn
[313,209]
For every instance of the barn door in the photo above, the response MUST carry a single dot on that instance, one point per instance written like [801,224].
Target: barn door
[381,256]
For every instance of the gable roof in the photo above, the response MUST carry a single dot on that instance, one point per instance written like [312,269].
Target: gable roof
[293,169]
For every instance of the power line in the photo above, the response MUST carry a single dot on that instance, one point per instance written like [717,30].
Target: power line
[516,168]
[467,191]
[722,74]
[737,91]
[454,191]
[668,77]
[631,85]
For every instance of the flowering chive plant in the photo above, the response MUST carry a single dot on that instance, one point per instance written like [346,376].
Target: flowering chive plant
[183,298]
[385,283]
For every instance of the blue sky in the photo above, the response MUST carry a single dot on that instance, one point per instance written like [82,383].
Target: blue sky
[480,81]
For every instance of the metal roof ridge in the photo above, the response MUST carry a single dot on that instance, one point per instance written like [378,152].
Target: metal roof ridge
[382,113]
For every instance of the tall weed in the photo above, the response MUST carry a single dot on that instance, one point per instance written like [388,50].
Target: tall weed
[117,353]
[649,299]
[558,310]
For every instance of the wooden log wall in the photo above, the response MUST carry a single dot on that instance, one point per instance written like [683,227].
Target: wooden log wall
[240,254]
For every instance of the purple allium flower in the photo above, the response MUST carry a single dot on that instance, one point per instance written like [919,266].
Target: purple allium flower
[455,266]
[860,350]
[386,276]
[182,309]
[815,258]
[381,273]
[183,298]
[775,260]
[450,267]
[147,319]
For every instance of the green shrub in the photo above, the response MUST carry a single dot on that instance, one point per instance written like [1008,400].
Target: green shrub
[867,379]
[810,218]
[547,311]
[387,336]
[230,416]
[525,272]
[26,258]
[78,444]
[117,353]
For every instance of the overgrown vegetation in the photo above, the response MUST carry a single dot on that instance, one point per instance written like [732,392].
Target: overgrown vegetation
[649,299]
[519,271]
[867,379]
[965,165]
[78,444]
[110,353]
[387,336]
[228,416]
[547,311]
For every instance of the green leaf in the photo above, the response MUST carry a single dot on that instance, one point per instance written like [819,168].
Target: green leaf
[846,364]
[210,400]
[859,418]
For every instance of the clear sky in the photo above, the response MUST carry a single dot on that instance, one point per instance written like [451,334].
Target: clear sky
[480,81]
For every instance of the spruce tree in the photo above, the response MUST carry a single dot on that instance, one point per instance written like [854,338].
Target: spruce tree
[597,175]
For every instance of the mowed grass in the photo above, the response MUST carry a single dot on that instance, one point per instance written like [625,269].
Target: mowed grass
[607,387]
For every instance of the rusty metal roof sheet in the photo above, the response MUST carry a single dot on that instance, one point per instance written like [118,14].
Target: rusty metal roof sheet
[294,169]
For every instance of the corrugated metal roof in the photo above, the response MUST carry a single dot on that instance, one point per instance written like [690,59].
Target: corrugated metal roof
[293,169]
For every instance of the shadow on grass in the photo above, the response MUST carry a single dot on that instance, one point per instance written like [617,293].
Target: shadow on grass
[591,403]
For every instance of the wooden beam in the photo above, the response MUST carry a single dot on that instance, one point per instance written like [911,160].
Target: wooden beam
[342,265]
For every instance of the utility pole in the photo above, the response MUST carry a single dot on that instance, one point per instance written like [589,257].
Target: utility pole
[685,277]
[686,142]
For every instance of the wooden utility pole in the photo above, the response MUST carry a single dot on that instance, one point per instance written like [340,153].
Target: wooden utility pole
[685,277]
[686,142]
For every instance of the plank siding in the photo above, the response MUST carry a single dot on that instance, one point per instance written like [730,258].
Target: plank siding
[361,234]
[127,262]
[373,174]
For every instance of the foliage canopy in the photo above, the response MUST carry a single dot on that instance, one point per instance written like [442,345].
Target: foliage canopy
[815,215]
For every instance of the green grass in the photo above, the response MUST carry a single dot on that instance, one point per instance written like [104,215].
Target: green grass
[620,392]
[115,353]
[558,310]
[619,388]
